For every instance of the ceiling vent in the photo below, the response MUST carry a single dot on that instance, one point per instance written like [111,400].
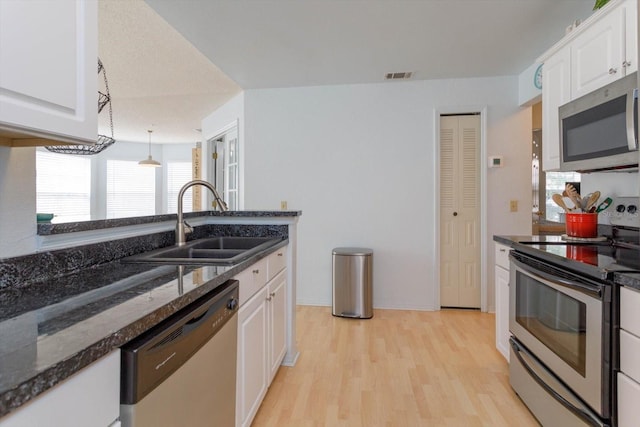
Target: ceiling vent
[398,76]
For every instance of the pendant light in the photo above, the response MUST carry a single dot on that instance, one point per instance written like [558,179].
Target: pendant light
[149,162]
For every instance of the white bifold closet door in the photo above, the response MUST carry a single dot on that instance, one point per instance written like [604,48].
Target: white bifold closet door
[460,211]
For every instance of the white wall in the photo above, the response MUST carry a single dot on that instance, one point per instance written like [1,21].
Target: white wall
[610,184]
[17,201]
[230,114]
[359,162]
[528,93]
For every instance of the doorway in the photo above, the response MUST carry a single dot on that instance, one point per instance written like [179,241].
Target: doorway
[225,167]
[460,213]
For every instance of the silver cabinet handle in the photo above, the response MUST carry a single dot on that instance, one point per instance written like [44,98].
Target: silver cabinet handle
[626,64]
[503,250]
[268,298]
[256,271]
[612,70]
[273,294]
[279,253]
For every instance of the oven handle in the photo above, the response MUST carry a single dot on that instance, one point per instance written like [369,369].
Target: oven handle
[581,413]
[594,290]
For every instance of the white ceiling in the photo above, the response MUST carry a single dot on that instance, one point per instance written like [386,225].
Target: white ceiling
[157,76]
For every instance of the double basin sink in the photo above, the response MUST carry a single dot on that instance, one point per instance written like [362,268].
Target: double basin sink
[226,250]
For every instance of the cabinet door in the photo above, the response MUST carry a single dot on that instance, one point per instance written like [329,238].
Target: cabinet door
[631,32]
[556,90]
[277,322]
[251,280]
[277,261]
[49,69]
[91,397]
[597,54]
[502,311]
[251,380]
[628,398]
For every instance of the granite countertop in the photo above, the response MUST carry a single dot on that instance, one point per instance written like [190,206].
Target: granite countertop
[51,330]
[47,229]
[541,239]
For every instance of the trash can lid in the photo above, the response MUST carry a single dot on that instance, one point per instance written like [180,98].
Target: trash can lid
[352,251]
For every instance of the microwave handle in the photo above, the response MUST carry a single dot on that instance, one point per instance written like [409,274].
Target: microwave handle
[632,138]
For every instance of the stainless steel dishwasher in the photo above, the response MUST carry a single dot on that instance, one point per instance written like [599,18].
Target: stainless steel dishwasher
[182,372]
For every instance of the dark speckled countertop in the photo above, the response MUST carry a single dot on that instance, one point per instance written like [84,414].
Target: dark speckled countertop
[52,327]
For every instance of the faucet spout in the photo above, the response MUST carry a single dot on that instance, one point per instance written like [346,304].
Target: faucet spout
[180,226]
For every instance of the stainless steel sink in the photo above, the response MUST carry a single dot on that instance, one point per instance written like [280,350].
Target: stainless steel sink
[227,250]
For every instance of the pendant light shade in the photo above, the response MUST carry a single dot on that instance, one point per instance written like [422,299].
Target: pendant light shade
[149,162]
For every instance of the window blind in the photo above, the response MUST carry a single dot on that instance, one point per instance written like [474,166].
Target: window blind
[63,186]
[178,174]
[131,189]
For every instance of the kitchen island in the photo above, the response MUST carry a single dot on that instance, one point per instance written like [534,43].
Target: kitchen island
[65,308]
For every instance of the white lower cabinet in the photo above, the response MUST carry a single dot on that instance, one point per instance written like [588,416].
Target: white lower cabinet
[262,332]
[90,397]
[251,377]
[502,299]
[277,325]
[629,376]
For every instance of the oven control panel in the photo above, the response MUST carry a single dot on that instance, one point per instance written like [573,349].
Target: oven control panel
[625,211]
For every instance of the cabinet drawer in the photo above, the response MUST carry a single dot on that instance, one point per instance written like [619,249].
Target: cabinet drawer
[629,351]
[630,310]
[628,398]
[277,261]
[252,279]
[502,255]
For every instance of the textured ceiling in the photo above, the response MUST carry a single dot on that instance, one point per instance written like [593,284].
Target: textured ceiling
[158,77]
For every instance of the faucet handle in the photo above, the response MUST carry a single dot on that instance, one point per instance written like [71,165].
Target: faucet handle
[187,228]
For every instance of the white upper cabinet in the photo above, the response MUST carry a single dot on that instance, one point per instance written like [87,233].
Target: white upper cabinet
[556,90]
[605,52]
[48,71]
[599,51]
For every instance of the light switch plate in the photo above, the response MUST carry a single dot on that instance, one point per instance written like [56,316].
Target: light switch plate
[495,161]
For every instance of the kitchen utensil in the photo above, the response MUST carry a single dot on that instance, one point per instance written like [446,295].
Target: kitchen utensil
[560,202]
[573,195]
[592,200]
[583,202]
[604,205]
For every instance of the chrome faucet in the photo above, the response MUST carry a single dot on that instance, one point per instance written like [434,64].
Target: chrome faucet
[182,228]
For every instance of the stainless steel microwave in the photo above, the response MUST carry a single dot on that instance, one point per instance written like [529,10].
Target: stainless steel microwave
[599,131]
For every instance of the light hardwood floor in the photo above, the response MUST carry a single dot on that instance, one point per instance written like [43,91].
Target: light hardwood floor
[398,369]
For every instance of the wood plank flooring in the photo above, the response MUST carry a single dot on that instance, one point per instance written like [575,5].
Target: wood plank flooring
[398,369]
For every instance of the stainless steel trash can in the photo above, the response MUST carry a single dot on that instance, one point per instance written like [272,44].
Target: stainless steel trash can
[353,282]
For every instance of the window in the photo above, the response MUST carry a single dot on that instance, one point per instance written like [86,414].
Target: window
[63,186]
[131,189]
[556,183]
[178,174]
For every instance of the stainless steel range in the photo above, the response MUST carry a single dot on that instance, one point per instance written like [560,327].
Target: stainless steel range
[563,312]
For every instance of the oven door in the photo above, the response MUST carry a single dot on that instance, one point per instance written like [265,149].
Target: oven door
[558,317]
